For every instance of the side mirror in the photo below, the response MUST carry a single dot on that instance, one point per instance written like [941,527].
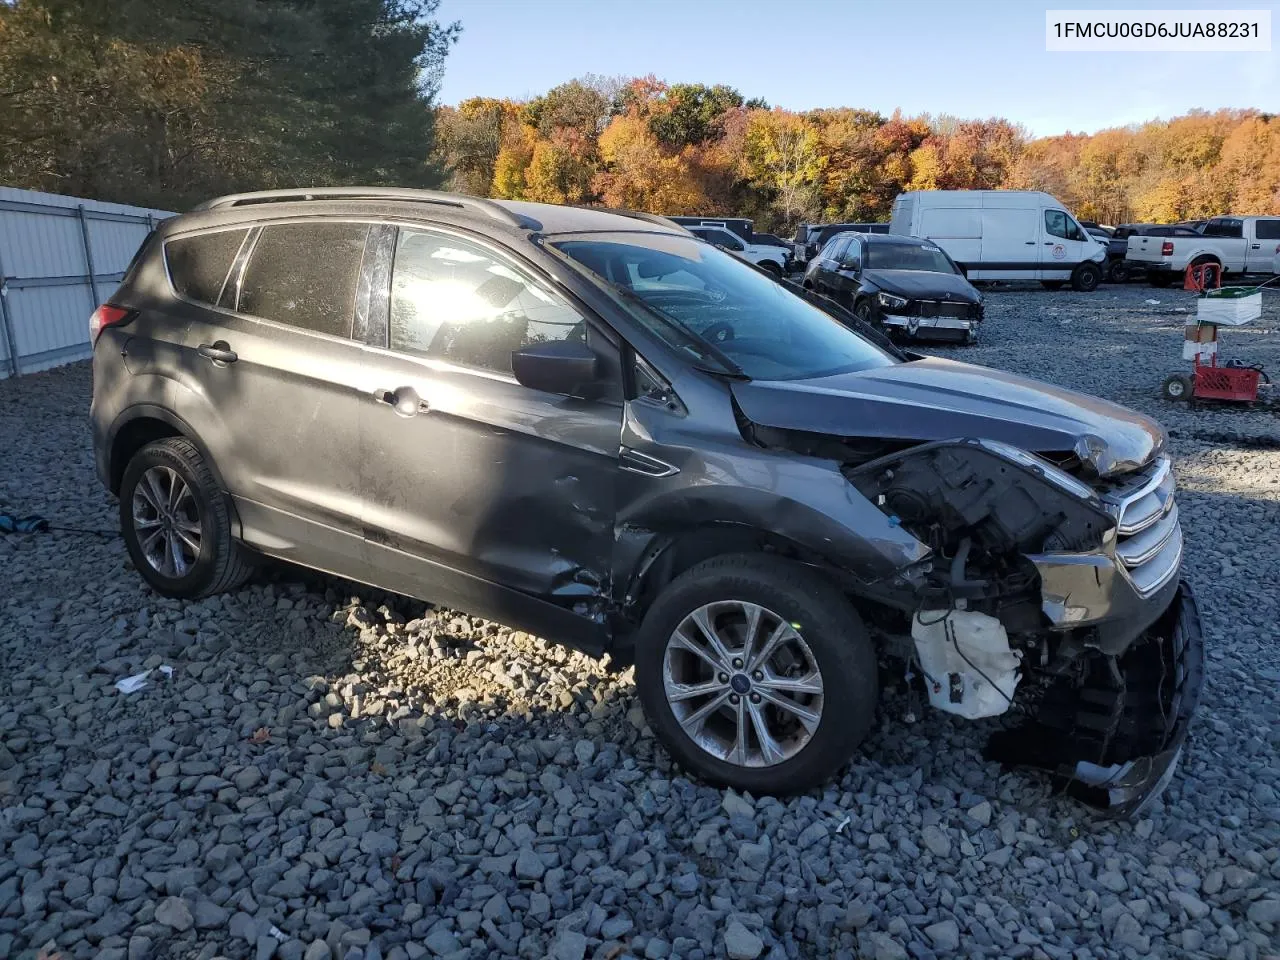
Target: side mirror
[853,266]
[558,366]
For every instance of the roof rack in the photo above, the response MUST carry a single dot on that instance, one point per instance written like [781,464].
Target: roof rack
[460,201]
[640,215]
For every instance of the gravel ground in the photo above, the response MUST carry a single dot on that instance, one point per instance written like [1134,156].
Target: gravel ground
[331,772]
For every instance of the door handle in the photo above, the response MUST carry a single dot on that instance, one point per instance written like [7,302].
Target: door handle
[405,401]
[1048,243]
[218,352]
[1256,246]
[1031,243]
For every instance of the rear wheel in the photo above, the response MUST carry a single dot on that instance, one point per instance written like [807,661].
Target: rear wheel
[1086,277]
[176,522]
[772,267]
[756,674]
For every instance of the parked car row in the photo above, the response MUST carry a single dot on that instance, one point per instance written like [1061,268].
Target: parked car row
[737,236]
[1234,244]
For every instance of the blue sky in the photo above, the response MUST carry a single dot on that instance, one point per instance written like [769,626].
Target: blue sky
[969,58]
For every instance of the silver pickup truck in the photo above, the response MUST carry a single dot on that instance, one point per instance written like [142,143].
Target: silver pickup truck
[1235,244]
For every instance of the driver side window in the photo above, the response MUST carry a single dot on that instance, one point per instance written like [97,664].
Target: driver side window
[1055,223]
[723,238]
[454,300]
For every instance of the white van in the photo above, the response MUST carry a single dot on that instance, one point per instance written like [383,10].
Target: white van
[1004,235]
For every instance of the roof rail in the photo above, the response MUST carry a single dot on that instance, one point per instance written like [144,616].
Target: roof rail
[460,201]
[640,215]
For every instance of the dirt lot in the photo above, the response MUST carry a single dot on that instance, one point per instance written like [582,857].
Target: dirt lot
[332,772]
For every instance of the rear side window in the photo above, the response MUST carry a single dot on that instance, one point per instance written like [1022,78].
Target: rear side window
[198,265]
[1224,228]
[305,274]
[1267,229]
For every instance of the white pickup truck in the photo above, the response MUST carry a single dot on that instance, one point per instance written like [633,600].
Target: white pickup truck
[773,259]
[1235,244]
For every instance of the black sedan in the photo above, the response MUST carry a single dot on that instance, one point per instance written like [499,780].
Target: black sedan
[908,287]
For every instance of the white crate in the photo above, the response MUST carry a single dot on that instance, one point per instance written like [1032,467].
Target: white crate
[1229,311]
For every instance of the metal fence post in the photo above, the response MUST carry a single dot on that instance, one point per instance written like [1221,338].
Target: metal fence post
[88,258]
[5,322]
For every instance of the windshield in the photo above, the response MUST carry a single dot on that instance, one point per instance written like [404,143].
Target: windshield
[767,332]
[907,256]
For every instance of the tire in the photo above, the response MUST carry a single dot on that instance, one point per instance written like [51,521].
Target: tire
[772,267]
[1176,387]
[1118,272]
[830,638]
[1086,277]
[1051,284]
[205,560]
[862,310]
[1159,279]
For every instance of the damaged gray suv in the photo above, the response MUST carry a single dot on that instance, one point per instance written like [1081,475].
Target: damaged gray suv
[591,426]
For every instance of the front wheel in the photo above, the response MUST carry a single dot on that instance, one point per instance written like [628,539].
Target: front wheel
[176,522]
[1086,277]
[1118,272]
[862,310]
[756,674]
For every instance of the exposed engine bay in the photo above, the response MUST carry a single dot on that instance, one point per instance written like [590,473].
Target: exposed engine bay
[1104,689]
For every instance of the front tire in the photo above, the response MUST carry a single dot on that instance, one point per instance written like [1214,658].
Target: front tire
[756,674]
[1086,277]
[1177,387]
[1118,272]
[774,270]
[176,522]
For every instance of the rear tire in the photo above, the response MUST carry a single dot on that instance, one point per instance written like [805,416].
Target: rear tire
[1086,277]
[772,267]
[820,645]
[176,523]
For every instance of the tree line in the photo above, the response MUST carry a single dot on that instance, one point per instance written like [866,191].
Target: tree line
[168,102]
[691,148]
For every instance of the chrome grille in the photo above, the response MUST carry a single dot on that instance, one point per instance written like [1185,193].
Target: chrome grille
[1148,535]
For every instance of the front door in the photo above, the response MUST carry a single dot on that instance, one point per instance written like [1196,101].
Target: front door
[480,492]
[1064,246]
[270,384]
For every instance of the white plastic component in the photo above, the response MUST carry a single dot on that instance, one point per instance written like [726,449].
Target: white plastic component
[962,654]
[1229,311]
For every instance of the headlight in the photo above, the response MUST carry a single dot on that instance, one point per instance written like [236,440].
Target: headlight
[890,301]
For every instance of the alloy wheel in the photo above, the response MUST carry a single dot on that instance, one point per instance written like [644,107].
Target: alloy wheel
[166,522]
[743,684]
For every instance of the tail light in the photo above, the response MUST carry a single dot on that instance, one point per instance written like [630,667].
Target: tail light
[106,316]
[1166,248]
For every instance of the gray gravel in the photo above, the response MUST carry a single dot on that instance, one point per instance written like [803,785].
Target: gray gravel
[334,773]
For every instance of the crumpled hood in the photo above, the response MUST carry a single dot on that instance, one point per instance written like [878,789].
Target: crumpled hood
[935,399]
[923,284]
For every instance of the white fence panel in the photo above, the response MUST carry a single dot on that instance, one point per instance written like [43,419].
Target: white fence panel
[59,258]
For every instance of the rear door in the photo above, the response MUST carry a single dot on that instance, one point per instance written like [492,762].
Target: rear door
[479,491]
[269,383]
[1263,255]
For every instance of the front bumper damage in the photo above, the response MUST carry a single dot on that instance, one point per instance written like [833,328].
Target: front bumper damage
[1112,733]
[951,329]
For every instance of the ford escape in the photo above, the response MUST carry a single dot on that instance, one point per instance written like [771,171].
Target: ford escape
[591,426]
